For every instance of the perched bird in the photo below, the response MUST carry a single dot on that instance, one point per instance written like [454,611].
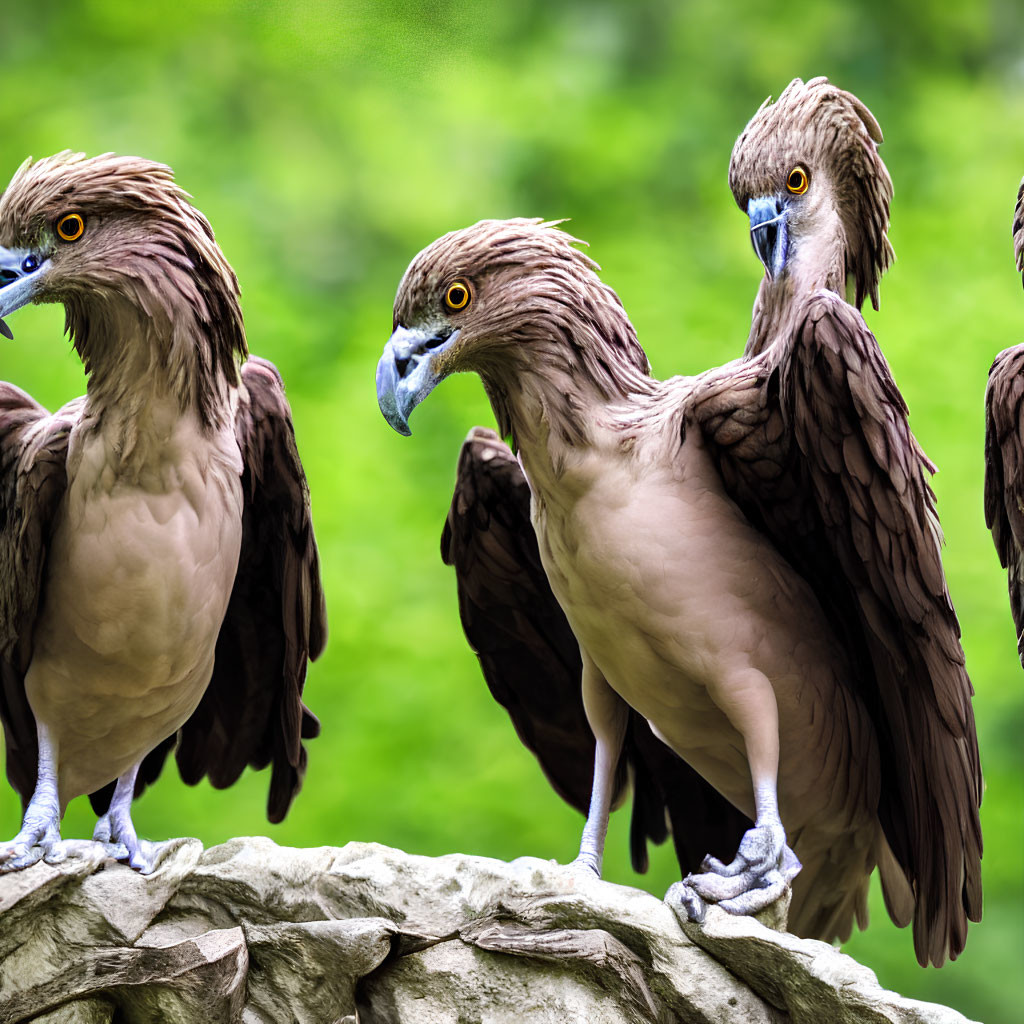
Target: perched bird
[748,558]
[532,664]
[1004,453]
[159,578]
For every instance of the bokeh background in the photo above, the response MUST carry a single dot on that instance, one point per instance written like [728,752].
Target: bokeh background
[328,143]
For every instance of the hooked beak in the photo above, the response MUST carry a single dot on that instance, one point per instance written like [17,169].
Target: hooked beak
[406,372]
[21,273]
[769,232]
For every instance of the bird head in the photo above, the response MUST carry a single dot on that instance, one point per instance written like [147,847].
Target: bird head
[115,240]
[1018,230]
[806,171]
[481,299]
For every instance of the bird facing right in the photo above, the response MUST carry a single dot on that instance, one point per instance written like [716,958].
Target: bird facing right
[748,558]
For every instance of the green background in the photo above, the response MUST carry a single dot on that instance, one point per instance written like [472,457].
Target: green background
[329,143]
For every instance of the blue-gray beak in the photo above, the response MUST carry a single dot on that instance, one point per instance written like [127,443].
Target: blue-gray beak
[769,233]
[406,374]
[21,272]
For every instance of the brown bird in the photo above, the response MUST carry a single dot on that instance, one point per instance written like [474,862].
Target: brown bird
[531,661]
[749,558]
[159,578]
[1004,453]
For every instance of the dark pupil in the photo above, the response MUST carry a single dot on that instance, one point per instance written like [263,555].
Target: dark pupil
[457,296]
[69,226]
[796,179]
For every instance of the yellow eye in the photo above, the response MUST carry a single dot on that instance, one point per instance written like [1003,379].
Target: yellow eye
[71,227]
[798,181]
[458,295]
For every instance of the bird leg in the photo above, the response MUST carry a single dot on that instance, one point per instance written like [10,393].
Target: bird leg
[607,715]
[39,837]
[764,864]
[116,831]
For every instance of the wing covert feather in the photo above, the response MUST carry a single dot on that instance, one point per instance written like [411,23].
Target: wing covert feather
[813,443]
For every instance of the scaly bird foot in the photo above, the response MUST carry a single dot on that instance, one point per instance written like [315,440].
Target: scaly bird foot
[39,839]
[115,832]
[753,880]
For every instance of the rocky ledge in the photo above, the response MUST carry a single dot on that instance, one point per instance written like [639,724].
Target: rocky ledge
[255,932]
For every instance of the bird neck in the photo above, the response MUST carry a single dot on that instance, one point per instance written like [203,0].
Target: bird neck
[154,341]
[818,262]
[548,389]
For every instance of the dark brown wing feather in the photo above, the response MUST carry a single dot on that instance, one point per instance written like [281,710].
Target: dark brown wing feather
[1018,229]
[1004,473]
[252,712]
[531,662]
[813,443]
[33,477]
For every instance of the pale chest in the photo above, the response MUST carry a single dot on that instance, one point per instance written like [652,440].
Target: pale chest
[144,554]
[667,585]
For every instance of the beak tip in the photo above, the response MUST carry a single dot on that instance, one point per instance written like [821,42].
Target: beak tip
[5,330]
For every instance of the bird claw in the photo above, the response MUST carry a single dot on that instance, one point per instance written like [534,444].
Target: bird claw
[770,887]
[55,852]
[144,856]
[16,855]
[38,839]
[758,875]
[683,899]
[119,840]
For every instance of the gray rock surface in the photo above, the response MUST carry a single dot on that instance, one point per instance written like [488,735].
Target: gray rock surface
[261,934]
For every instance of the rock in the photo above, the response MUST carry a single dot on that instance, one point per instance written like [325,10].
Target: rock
[254,933]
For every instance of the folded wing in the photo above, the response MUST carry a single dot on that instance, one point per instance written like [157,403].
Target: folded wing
[33,478]
[1004,474]
[813,443]
[1004,454]
[252,712]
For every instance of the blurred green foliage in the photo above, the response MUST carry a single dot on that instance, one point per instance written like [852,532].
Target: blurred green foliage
[328,143]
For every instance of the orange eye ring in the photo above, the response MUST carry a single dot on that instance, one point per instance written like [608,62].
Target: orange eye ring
[798,181]
[457,295]
[70,227]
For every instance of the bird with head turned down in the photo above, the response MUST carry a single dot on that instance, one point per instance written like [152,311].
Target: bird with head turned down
[1004,453]
[159,577]
[748,558]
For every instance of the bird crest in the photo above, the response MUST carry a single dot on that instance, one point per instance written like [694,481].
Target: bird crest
[820,125]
